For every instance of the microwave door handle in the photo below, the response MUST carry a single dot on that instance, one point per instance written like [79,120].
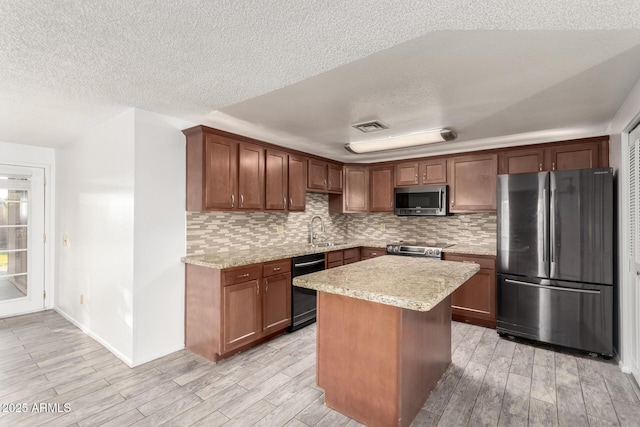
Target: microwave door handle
[440,199]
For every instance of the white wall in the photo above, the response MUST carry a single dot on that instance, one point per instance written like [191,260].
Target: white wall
[25,155]
[95,209]
[159,236]
[625,119]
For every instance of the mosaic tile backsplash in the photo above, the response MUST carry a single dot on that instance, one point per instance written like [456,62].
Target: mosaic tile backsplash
[210,232]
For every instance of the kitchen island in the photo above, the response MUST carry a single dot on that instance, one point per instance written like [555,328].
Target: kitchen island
[384,334]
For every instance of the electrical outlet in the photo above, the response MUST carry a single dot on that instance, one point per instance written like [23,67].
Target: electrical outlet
[383,227]
[280,230]
[81,299]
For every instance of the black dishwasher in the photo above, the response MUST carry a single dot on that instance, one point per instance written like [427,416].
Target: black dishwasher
[303,301]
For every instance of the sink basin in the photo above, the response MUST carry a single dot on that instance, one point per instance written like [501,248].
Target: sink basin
[327,244]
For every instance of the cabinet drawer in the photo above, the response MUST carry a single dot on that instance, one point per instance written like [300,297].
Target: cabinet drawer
[371,252]
[335,257]
[334,264]
[242,274]
[484,261]
[352,254]
[276,267]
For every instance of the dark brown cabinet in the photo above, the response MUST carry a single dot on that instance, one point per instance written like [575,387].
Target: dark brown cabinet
[297,183]
[381,189]
[276,301]
[276,180]
[368,253]
[324,176]
[579,154]
[475,301]
[232,309]
[223,174]
[425,172]
[472,182]
[343,257]
[355,195]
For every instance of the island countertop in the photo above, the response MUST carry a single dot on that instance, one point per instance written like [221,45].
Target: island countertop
[406,282]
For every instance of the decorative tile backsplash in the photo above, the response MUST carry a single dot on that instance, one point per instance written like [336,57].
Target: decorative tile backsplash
[210,232]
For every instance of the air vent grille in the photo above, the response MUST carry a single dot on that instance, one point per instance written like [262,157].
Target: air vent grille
[372,126]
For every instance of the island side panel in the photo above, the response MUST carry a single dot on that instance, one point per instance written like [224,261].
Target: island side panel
[425,355]
[357,358]
[202,311]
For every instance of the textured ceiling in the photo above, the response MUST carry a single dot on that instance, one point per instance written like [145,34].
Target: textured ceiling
[299,72]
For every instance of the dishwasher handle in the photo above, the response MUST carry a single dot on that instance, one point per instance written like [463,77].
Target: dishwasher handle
[306,264]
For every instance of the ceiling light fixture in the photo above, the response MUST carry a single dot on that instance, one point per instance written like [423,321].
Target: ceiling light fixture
[401,141]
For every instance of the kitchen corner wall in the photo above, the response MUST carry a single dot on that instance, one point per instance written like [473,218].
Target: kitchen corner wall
[211,232]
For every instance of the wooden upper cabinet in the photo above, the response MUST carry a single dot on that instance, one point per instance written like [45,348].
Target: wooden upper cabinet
[381,189]
[356,191]
[578,154]
[324,176]
[251,177]
[220,173]
[407,173]
[334,177]
[522,161]
[426,172]
[276,180]
[297,183]
[433,172]
[574,156]
[317,175]
[472,182]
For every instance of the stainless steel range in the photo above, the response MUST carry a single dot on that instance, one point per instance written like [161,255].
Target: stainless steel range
[417,249]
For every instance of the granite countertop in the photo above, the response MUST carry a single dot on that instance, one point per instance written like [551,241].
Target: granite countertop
[222,260]
[253,256]
[406,282]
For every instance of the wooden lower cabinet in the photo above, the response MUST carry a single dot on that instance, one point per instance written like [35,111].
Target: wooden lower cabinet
[368,253]
[344,257]
[230,310]
[475,301]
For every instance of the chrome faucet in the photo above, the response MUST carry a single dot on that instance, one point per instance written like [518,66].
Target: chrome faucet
[312,235]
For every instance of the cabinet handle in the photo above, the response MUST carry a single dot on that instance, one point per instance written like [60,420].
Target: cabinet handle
[240,276]
[233,200]
[424,178]
[241,200]
[284,203]
[266,286]
[347,205]
[257,289]
[325,182]
[374,253]
[277,268]
[290,201]
[416,178]
[553,166]
[329,183]
[540,167]
[452,203]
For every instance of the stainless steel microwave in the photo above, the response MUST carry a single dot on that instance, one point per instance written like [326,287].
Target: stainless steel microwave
[431,200]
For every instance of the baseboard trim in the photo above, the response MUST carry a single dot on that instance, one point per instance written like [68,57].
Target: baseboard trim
[96,337]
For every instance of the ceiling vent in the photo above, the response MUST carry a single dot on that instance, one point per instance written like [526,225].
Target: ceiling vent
[372,126]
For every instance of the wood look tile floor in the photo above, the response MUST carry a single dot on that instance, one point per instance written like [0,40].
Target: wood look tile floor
[492,381]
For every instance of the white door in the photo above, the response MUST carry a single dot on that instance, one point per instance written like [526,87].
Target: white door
[22,240]
[633,305]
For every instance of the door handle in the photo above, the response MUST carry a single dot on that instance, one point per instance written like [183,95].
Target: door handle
[553,288]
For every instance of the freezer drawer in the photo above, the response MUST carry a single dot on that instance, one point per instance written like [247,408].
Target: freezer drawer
[569,314]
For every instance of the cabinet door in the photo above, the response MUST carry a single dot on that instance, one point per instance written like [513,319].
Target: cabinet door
[574,156]
[334,178]
[407,174]
[221,172]
[297,183]
[433,171]
[473,183]
[368,253]
[316,175]
[381,194]
[276,180]
[476,298]
[251,177]
[241,314]
[522,161]
[276,303]
[356,194]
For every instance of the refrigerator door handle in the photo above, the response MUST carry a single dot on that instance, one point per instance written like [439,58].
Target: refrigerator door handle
[545,228]
[553,288]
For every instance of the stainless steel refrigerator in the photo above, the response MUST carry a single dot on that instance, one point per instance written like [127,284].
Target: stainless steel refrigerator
[555,258]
